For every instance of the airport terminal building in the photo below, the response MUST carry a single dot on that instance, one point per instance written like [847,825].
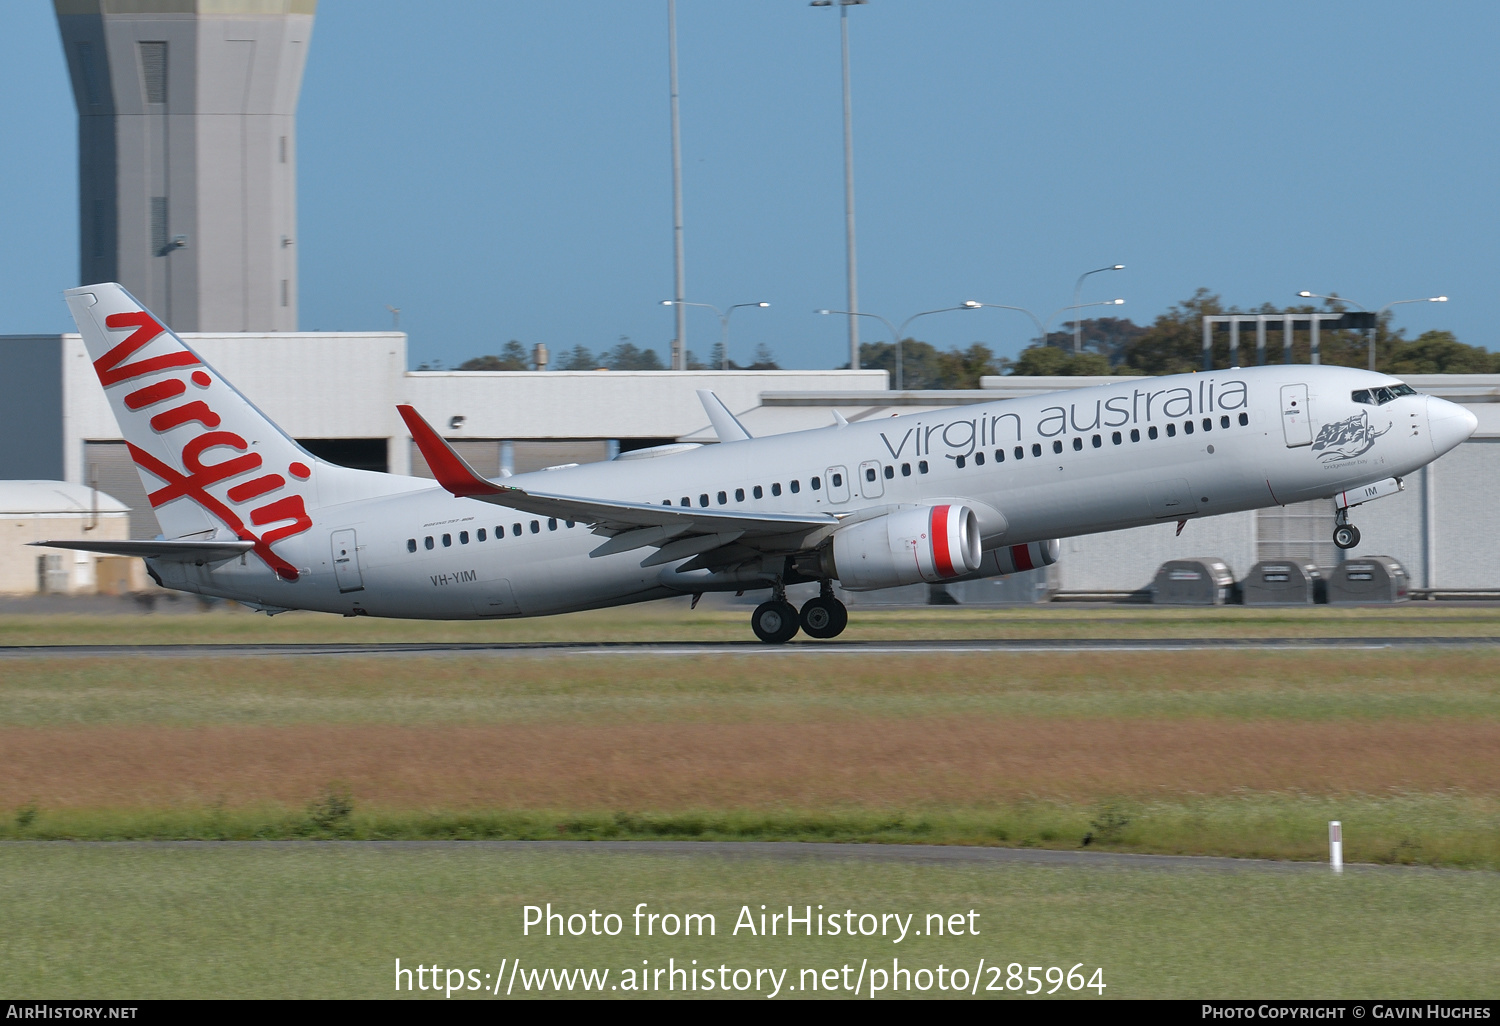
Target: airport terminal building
[337,394]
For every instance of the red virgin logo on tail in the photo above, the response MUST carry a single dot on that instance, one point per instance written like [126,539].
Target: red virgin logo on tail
[193,484]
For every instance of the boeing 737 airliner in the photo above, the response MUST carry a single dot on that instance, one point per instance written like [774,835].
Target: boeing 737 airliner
[954,495]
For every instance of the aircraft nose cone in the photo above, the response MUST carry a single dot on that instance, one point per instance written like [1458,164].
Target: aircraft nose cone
[1449,424]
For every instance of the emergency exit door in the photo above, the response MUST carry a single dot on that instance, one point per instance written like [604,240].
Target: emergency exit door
[1295,421]
[346,561]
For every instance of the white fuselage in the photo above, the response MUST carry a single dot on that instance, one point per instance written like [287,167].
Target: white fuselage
[1126,454]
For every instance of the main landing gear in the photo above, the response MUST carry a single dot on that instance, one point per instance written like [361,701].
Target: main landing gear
[1345,534]
[776,622]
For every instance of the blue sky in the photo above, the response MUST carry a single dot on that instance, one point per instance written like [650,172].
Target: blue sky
[501,170]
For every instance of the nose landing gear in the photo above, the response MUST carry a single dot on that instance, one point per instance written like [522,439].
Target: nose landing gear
[1345,534]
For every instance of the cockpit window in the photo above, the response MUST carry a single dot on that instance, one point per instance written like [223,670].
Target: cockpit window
[1381,396]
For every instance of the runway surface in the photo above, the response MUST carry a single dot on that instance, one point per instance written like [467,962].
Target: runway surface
[740,648]
[957,855]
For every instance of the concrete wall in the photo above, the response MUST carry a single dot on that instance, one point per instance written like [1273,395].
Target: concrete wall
[77,572]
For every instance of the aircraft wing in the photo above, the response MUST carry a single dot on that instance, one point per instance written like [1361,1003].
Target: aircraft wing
[676,531]
[175,551]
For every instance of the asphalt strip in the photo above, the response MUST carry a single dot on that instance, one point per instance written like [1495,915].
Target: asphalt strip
[652,648]
[953,855]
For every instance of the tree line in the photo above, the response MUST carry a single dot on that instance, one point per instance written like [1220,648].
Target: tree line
[1171,344]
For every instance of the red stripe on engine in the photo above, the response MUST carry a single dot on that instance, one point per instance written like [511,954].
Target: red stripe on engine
[941,557]
[1021,556]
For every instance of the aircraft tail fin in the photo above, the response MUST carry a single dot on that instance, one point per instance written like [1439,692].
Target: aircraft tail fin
[214,466]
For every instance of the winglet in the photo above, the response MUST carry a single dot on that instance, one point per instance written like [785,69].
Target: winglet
[838,418]
[450,469]
[725,425]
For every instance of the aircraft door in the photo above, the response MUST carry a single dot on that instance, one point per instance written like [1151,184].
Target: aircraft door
[1295,419]
[838,484]
[346,561]
[870,484]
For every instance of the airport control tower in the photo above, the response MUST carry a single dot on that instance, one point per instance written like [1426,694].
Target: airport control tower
[187,154]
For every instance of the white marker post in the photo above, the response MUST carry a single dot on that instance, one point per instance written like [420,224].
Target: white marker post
[1336,845]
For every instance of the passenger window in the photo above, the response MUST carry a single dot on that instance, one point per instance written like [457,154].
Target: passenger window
[427,541]
[411,545]
[921,466]
[1020,452]
[1224,421]
[1171,430]
[723,498]
[1098,441]
[1036,448]
[685,501]
[1115,437]
[1244,420]
[479,535]
[906,470]
[703,499]
[817,483]
[958,461]
[569,524]
[447,541]
[1135,434]
[1057,445]
[757,492]
[515,529]
[1208,423]
[869,473]
[1078,445]
[499,532]
[979,459]
[890,472]
[796,486]
[999,455]
[536,527]
[739,495]
[1187,427]
[463,537]
[775,487]
[1151,433]
[838,480]
[551,523]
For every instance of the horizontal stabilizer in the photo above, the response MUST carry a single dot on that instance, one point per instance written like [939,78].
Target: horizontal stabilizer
[172,551]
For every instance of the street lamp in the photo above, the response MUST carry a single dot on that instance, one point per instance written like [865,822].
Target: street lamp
[723,316]
[853,303]
[1375,327]
[898,333]
[1077,295]
[679,355]
[1041,326]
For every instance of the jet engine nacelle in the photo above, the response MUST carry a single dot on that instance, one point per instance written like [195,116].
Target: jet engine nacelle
[931,543]
[1014,559]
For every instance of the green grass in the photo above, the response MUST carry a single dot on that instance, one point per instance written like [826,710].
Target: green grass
[1303,686]
[137,922]
[671,620]
[1433,830]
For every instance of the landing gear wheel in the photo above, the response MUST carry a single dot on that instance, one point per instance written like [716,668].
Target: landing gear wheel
[1346,536]
[824,617]
[774,622]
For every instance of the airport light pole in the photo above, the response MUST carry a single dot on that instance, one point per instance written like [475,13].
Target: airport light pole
[1077,296]
[898,333]
[853,300]
[723,316]
[1375,327]
[1041,326]
[679,354]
